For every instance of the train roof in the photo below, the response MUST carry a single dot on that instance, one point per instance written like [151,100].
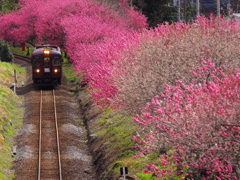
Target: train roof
[38,50]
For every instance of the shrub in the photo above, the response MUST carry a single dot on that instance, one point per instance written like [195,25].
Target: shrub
[5,54]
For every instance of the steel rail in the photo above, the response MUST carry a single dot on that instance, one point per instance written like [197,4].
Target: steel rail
[22,58]
[58,146]
[40,138]
[57,137]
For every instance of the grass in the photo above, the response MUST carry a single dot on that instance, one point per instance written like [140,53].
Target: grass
[10,117]
[117,131]
[18,50]
[69,73]
[7,72]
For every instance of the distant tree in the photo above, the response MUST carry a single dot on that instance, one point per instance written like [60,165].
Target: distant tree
[5,54]
[235,6]
[156,11]
[7,5]
[0,48]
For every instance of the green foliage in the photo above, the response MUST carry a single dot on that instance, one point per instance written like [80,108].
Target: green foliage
[10,121]
[18,50]
[146,176]
[157,11]
[7,72]
[117,164]
[7,5]
[126,153]
[117,131]
[5,53]
[137,165]
[69,73]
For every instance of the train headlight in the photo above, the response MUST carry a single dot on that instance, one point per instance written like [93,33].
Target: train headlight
[56,70]
[37,70]
[46,51]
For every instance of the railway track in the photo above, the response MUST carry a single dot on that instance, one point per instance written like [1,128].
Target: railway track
[49,161]
[38,155]
[22,57]
[48,165]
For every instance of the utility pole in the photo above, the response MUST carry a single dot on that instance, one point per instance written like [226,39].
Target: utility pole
[197,7]
[218,8]
[179,10]
[229,8]
[2,5]
[185,14]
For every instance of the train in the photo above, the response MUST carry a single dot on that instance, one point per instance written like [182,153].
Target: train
[47,65]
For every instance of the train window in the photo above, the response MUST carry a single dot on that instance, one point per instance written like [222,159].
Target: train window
[46,61]
[56,61]
[36,61]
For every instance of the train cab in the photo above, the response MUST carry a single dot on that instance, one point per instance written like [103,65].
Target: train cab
[47,65]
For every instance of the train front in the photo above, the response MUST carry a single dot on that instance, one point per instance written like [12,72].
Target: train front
[47,65]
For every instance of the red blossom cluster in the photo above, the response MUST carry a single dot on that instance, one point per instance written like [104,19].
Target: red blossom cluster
[89,31]
[199,123]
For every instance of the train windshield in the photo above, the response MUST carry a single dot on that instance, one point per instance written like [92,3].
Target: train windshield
[36,61]
[56,61]
[46,61]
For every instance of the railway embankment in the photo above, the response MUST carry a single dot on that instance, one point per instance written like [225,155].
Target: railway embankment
[109,136]
[11,113]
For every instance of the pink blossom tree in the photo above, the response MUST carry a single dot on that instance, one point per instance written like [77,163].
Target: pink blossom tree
[94,41]
[20,25]
[168,53]
[13,28]
[194,127]
[43,18]
[89,31]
